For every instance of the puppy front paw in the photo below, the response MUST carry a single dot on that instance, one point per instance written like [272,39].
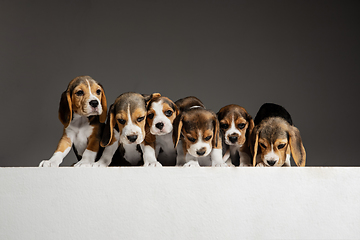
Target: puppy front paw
[84,163]
[152,164]
[192,163]
[220,164]
[261,164]
[99,164]
[48,163]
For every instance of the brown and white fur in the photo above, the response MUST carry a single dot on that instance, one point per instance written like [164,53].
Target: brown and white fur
[161,114]
[199,135]
[125,127]
[236,125]
[274,138]
[82,110]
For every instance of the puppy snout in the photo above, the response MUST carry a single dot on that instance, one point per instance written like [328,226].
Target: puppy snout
[159,125]
[233,139]
[201,151]
[271,162]
[132,138]
[94,103]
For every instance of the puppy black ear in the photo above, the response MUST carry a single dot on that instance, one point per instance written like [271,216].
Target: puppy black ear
[102,118]
[296,146]
[254,143]
[65,108]
[109,128]
[177,126]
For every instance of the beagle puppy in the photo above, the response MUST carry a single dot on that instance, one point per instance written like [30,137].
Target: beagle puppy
[236,125]
[82,110]
[124,128]
[198,131]
[158,147]
[275,137]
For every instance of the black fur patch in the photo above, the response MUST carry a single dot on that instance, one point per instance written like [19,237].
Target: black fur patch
[272,110]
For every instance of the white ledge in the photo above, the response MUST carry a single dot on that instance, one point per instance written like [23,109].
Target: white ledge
[178,203]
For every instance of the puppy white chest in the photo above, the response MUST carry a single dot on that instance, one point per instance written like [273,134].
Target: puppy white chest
[165,142]
[132,155]
[79,131]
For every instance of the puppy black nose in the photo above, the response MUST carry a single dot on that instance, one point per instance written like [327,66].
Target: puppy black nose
[159,125]
[132,138]
[201,151]
[94,103]
[233,139]
[271,162]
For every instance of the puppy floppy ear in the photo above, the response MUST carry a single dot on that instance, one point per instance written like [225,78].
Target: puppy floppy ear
[216,138]
[177,126]
[296,146]
[147,97]
[102,118]
[109,128]
[250,127]
[65,108]
[254,143]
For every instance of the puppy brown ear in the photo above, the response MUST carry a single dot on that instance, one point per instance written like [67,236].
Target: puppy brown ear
[102,118]
[250,127]
[177,126]
[296,146]
[65,108]
[216,138]
[254,143]
[109,128]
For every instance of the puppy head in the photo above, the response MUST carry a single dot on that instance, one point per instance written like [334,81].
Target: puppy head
[274,139]
[127,115]
[83,96]
[236,124]
[161,115]
[200,129]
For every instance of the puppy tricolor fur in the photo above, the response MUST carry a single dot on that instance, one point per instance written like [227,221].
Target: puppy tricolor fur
[199,134]
[82,109]
[275,137]
[158,147]
[124,128]
[236,125]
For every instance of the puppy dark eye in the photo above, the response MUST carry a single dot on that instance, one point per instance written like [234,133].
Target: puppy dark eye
[79,93]
[151,116]
[263,145]
[281,146]
[140,119]
[98,92]
[168,113]
[208,138]
[122,121]
[241,125]
[191,139]
[224,125]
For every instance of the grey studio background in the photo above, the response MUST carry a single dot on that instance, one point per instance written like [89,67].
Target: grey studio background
[304,55]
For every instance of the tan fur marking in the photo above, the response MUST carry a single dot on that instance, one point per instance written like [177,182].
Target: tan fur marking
[64,143]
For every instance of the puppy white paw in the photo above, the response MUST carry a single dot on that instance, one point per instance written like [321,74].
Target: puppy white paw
[261,164]
[221,164]
[48,163]
[152,164]
[99,164]
[84,163]
[192,164]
